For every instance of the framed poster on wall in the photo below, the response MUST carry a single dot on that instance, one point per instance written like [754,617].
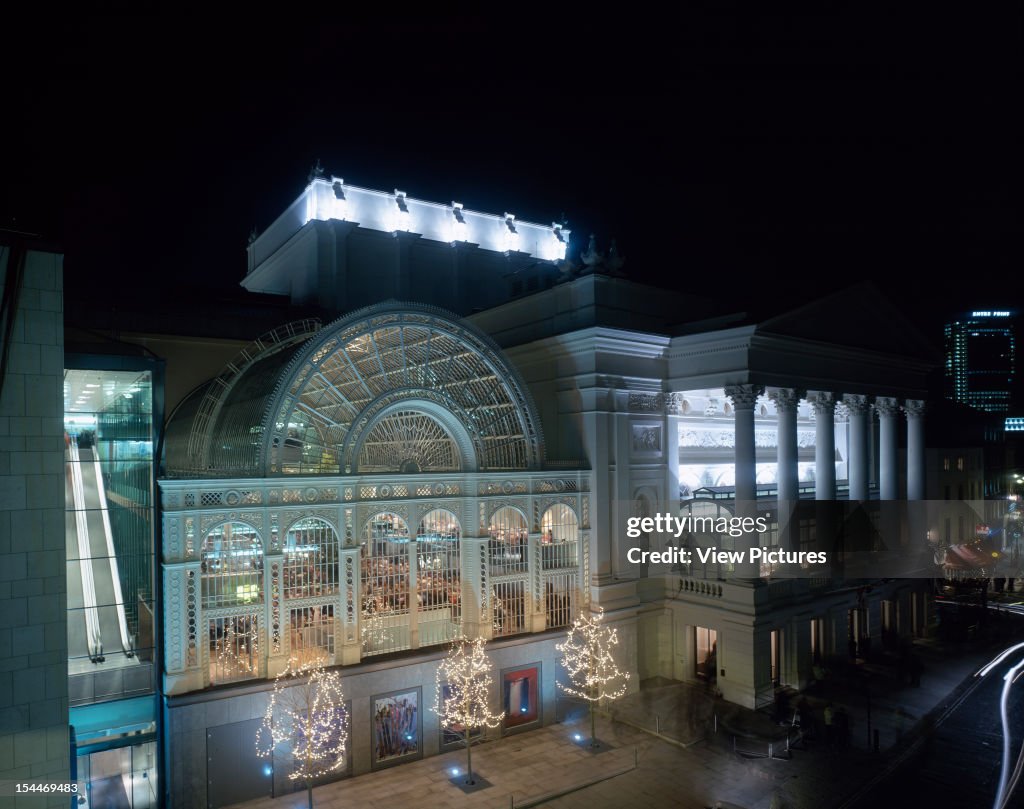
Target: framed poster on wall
[520,696]
[397,727]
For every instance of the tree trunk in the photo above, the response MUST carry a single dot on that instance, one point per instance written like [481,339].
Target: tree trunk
[309,790]
[593,734]
[469,758]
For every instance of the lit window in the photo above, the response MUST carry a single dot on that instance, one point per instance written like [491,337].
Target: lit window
[232,566]
[384,623]
[438,579]
[310,560]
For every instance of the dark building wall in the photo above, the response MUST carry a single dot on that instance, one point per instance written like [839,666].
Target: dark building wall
[33,626]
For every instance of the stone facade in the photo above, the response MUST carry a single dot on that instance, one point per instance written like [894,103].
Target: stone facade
[33,624]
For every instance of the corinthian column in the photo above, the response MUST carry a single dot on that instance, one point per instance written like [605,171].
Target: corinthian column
[744,397]
[787,474]
[914,409]
[824,404]
[857,405]
[888,463]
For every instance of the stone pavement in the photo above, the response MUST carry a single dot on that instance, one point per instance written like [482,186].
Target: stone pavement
[687,766]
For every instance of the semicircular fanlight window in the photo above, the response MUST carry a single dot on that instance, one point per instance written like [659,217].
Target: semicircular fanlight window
[408,441]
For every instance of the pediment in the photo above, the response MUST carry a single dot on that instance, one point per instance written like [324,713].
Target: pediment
[858,317]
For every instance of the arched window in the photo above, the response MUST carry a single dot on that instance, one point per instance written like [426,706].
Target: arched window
[438,583]
[311,573]
[559,524]
[232,566]
[408,441]
[509,541]
[508,551]
[559,535]
[310,559]
[385,584]
[559,555]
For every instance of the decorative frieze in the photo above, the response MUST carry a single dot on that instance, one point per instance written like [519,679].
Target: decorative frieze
[646,402]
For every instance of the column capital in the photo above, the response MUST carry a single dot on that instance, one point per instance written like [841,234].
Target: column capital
[887,406]
[744,397]
[822,401]
[856,403]
[914,408]
[786,399]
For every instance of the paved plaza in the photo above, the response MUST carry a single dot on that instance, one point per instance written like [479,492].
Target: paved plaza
[688,765]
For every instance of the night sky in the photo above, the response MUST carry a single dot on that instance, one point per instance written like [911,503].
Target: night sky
[762,159]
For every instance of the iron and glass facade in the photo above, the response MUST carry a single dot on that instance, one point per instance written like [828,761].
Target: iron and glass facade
[361,494]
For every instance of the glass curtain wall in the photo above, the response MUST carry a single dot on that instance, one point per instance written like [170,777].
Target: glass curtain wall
[108,440]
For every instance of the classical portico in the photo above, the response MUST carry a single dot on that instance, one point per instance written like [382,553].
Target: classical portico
[806,416]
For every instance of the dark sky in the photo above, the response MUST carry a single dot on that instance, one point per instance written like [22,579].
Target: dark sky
[766,159]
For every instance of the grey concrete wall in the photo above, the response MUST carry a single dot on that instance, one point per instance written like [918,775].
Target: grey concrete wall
[33,620]
[190,716]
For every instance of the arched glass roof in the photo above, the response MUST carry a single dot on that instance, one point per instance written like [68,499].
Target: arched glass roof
[392,388]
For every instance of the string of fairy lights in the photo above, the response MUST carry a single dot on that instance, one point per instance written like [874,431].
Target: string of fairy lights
[469,675]
[306,710]
[587,658]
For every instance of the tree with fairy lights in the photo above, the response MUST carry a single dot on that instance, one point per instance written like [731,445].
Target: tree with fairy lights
[307,712]
[588,660]
[461,699]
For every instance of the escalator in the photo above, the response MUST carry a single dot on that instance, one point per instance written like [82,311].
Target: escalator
[94,585]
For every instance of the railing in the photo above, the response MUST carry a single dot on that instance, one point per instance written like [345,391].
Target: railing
[93,640]
[711,589]
[127,643]
[508,556]
[557,555]
[561,598]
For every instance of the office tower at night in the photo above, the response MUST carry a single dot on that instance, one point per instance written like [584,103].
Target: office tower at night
[980,360]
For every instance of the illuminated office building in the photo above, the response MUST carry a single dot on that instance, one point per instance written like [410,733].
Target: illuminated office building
[981,360]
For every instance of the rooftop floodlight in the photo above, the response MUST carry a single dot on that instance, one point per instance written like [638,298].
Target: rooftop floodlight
[340,203]
[402,219]
[460,230]
[511,233]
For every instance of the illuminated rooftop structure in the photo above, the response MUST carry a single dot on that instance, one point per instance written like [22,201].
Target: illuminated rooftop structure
[981,360]
[340,246]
